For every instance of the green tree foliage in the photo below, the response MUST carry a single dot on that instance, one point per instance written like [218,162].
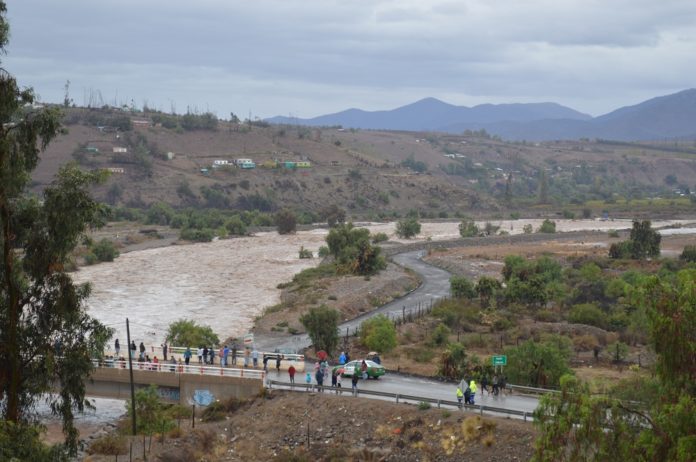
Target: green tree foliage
[23,442]
[587,313]
[186,333]
[152,415]
[547,226]
[105,250]
[538,364]
[468,228]
[454,362]
[440,335]
[688,254]
[487,288]
[205,121]
[40,307]
[159,213]
[378,334]
[461,287]
[236,226]
[286,221]
[197,235]
[353,251]
[321,324]
[644,242]
[659,426]
[543,188]
[334,215]
[415,165]
[408,227]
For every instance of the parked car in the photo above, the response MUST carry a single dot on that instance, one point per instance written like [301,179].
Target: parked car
[374,370]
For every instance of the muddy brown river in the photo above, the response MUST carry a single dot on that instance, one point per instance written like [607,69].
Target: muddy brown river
[226,283]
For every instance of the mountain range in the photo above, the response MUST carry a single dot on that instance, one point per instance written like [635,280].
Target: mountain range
[664,117]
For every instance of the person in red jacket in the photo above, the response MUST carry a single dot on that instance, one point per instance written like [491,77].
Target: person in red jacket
[291,373]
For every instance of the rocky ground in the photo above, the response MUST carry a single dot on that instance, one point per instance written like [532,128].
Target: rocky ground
[323,427]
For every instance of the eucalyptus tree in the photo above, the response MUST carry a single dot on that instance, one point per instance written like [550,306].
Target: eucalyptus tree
[47,339]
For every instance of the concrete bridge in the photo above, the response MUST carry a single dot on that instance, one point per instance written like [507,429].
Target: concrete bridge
[175,382]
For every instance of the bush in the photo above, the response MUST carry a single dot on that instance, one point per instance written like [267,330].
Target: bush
[353,251]
[613,233]
[197,235]
[286,221]
[537,364]
[424,406]
[567,214]
[587,313]
[236,226]
[379,237]
[105,250]
[110,445]
[689,254]
[461,287]
[440,335]
[305,253]
[547,226]
[527,229]
[467,228]
[408,227]
[378,334]
[324,251]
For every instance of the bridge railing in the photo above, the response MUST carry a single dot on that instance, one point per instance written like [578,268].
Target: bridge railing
[193,369]
[402,398]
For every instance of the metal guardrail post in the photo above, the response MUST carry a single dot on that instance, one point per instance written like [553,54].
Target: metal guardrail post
[481,408]
[524,416]
[438,404]
[397,398]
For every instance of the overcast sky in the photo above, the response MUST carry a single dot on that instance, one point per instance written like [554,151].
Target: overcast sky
[311,57]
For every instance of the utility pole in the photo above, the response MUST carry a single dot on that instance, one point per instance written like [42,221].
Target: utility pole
[130,368]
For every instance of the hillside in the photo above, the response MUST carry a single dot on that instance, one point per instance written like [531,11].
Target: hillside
[664,117]
[371,174]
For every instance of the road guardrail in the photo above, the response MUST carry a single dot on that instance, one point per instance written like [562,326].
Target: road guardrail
[401,398]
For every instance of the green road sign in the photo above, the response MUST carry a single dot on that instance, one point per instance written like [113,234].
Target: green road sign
[500,360]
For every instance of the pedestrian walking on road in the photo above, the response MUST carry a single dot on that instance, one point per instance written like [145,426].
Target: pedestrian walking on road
[472,386]
[484,385]
[467,395]
[278,363]
[291,373]
[363,370]
[203,355]
[117,347]
[187,355]
[495,384]
[334,379]
[265,363]
[338,382]
[354,383]
[460,396]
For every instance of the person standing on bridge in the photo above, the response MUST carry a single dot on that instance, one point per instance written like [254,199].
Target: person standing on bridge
[291,373]
[187,355]
[142,350]
[255,357]
[164,350]
[211,352]
[204,354]
[133,349]
[117,348]
[225,354]
[234,354]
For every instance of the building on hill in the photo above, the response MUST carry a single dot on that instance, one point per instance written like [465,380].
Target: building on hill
[120,149]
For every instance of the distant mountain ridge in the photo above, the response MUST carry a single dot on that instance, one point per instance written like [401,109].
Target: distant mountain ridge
[664,117]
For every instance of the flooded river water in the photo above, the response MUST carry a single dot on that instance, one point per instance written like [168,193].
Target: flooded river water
[226,283]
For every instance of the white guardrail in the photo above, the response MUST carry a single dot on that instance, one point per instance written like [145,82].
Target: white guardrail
[168,368]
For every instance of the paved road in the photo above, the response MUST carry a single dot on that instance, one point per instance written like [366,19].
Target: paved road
[435,285]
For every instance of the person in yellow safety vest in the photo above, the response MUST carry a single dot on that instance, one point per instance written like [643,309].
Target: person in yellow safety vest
[460,395]
[472,387]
